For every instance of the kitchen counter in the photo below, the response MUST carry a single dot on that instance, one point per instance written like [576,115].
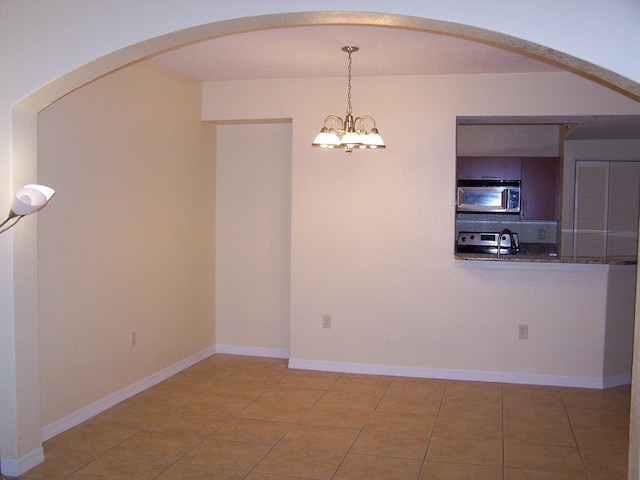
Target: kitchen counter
[543,253]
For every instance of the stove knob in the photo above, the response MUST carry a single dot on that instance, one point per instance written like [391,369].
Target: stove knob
[463,239]
[472,237]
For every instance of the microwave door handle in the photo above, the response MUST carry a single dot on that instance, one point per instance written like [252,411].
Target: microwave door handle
[505,199]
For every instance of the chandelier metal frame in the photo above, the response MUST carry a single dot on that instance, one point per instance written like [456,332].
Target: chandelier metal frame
[351,132]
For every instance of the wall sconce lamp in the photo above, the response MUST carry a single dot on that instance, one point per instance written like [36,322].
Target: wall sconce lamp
[29,199]
[350,133]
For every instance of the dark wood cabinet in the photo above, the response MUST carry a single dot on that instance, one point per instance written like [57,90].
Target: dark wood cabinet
[539,176]
[540,188]
[493,168]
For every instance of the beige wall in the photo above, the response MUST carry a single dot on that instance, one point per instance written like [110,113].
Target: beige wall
[372,234]
[253,241]
[128,244]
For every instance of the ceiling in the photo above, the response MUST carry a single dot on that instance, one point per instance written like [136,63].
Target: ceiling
[315,51]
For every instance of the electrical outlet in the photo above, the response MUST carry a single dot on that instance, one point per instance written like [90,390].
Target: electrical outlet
[132,339]
[326,321]
[523,331]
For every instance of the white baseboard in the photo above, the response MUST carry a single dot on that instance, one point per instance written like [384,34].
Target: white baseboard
[109,401]
[253,351]
[468,375]
[14,468]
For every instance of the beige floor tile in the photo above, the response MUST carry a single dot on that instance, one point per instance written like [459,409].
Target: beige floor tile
[410,404]
[268,476]
[60,462]
[253,431]
[236,390]
[458,471]
[156,445]
[419,387]
[366,467]
[353,400]
[256,377]
[93,437]
[293,396]
[464,450]
[624,393]
[187,424]
[179,471]
[473,391]
[543,457]
[312,464]
[336,416]
[472,409]
[525,395]
[214,405]
[468,427]
[535,413]
[275,364]
[605,464]
[158,399]
[520,474]
[282,404]
[127,416]
[604,437]
[309,379]
[217,452]
[391,444]
[592,417]
[316,437]
[596,399]
[114,467]
[401,422]
[187,383]
[362,383]
[546,433]
[274,410]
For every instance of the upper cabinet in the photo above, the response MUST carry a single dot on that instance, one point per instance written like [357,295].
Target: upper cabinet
[539,177]
[540,188]
[491,168]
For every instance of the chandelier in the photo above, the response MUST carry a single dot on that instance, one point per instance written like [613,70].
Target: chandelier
[351,132]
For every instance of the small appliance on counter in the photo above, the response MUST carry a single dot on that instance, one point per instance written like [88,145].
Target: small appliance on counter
[488,242]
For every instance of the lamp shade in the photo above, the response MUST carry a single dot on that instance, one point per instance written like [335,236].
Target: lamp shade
[374,140]
[31,198]
[352,139]
[326,139]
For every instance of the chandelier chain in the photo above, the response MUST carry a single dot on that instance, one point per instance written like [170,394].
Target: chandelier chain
[349,86]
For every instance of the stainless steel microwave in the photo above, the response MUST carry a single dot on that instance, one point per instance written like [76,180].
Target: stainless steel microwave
[488,196]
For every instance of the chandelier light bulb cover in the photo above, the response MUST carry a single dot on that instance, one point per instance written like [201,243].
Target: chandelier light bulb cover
[351,132]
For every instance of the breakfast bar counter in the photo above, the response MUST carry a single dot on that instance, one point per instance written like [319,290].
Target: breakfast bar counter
[544,253]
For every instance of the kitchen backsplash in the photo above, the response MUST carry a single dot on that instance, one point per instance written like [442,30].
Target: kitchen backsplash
[529,231]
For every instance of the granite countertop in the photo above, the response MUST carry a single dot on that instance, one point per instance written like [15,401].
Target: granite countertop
[543,253]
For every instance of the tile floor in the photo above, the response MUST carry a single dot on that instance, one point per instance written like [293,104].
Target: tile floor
[232,417]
